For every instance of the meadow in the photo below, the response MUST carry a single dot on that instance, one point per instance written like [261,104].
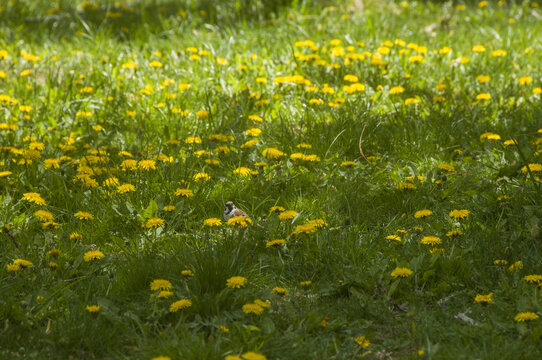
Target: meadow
[388,155]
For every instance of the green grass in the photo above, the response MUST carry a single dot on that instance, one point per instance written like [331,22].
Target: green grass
[64,125]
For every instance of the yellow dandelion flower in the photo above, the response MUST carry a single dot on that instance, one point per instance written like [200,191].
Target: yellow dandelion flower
[44,216]
[275,242]
[287,215]
[180,305]
[459,214]
[526,316]
[253,309]
[188,273]
[253,356]
[362,341]
[154,223]
[201,177]
[146,165]
[422,213]
[187,193]
[280,291]
[240,221]
[34,198]
[93,255]
[212,222]
[160,284]
[236,282]
[93,309]
[401,272]
[397,90]
[83,215]
[272,153]
[484,299]
[431,240]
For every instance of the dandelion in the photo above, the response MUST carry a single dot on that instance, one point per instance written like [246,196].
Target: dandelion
[180,305]
[280,291]
[161,358]
[240,221]
[253,356]
[484,299]
[4,174]
[83,215]
[406,186]
[192,140]
[454,233]
[236,282]
[516,266]
[202,114]
[422,213]
[446,167]
[187,193]
[93,255]
[243,171]
[146,165]
[531,168]
[401,272]
[44,216]
[34,198]
[397,90]
[362,341]
[431,240]
[459,214]
[253,309]
[525,316]
[154,223]
[525,80]
[160,284]
[201,177]
[394,237]
[276,209]
[13,267]
[275,242]
[537,279]
[483,96]
[287,215]
[348,164]
[272,153]
[212,222]
[187,273]
[93,309]
[490,136]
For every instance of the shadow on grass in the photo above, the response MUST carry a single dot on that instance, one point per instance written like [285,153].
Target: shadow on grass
[35,21]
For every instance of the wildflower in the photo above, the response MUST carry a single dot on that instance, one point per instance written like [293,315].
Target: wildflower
[305,228]
[4,174]
[305,283]
[362,341]
[253,309]
[264,304]
[478,48]
[154,223]
[201,177]
[525,80]
[83,215]
[202,114]
[125,188]
[348,163]
[160,284]
[483,96]
[93,255]
[531,168]
[146,165]
[406,186]
[236,282]
[240,221]
[401,272]
[253,132]
[253,356]
[212,222]
[431,240]
[397,90]
[34,198]
[525,316]
[516,266]
[490,136]
[422,213]
[184,193]
[280,291]
[155,64]
[275,242]
[533,279]
[484,299]
[276,209]
[272,153]
[287,215]
[483,78]
[161,358]
[188,273]
[13,267]
[394,237]
[232,357]
[180,305]
[44,215]
[243,171]
[193,140]
[459,214]
[224,329]
[498,53]
[446,167]
[93,309]
[453,233]
[255,118]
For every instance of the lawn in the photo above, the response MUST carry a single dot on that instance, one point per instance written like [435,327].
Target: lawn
[387,154]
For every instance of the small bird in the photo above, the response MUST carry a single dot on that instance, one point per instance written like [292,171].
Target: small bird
[231,211]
